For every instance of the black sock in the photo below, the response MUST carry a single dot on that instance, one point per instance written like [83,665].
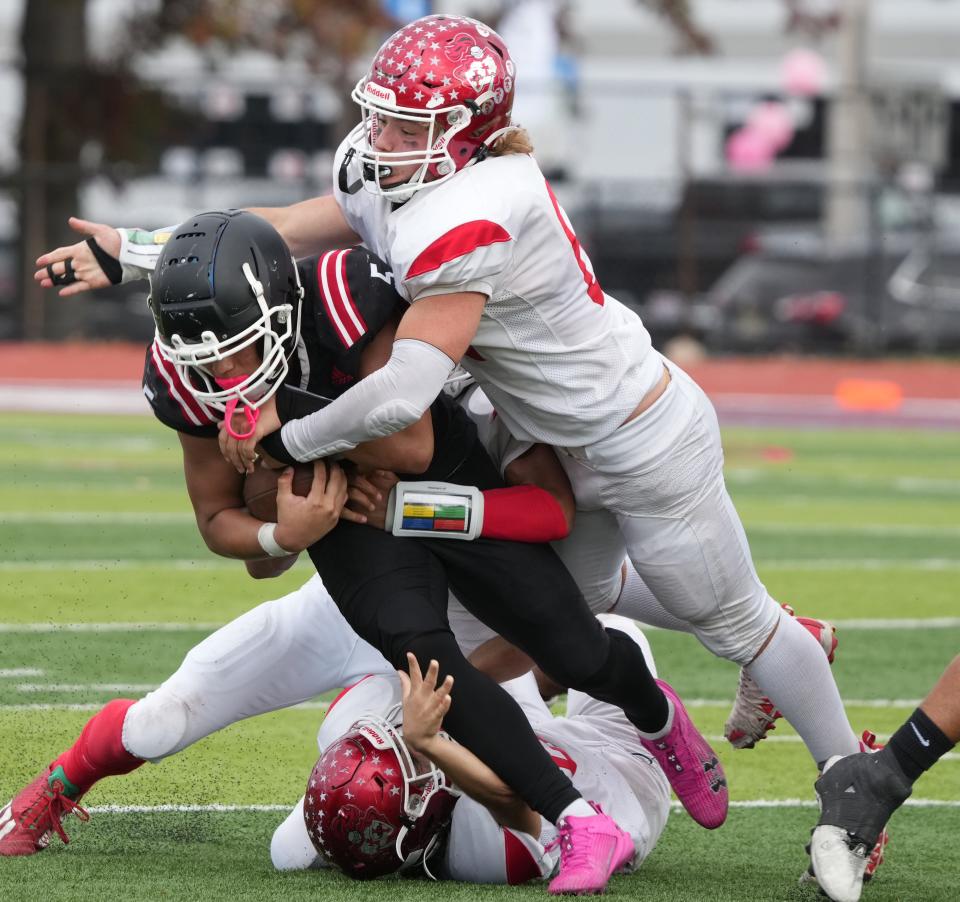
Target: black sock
[918,745]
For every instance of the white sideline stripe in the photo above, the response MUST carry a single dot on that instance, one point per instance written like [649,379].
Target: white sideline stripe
[20,672]
[675,806]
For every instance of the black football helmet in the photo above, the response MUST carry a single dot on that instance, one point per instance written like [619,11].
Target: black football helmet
[225,280]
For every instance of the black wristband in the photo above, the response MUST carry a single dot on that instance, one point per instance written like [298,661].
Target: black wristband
[295,403]
[292,404]
[274,446]
[110,265]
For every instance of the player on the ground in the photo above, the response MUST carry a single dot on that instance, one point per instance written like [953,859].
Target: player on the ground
[494,837]
[859,793]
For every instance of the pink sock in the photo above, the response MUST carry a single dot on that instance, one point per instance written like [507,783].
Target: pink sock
[99,751]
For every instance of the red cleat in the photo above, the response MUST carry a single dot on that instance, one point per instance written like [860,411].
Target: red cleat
[29,820]
[753,714]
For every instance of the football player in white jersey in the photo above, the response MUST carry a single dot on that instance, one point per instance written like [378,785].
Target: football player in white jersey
[493,836]
[439,182]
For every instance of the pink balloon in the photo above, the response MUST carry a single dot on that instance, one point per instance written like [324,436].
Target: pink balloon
[803,72]
[773,120]
[749,151]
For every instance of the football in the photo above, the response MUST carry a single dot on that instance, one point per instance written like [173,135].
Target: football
[260,489]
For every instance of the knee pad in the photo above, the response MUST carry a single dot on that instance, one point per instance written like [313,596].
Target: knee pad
[155,726]
[740,642]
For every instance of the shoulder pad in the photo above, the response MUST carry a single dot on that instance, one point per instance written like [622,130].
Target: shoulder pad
[352,294]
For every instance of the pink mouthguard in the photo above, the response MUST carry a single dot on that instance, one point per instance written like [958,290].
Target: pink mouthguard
[251,415]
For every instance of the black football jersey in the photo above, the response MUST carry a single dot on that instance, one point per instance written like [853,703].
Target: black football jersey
[349,295]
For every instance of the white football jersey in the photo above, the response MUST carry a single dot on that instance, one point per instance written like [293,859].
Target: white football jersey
[561,361]
[625,781]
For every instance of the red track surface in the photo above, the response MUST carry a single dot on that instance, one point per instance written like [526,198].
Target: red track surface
[745,390]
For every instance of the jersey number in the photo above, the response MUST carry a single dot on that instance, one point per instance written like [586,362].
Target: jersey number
[594,292]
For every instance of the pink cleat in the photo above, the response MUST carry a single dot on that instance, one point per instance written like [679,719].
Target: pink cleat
[592,849]
[691,766]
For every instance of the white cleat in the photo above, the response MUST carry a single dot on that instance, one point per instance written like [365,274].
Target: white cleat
[839,870]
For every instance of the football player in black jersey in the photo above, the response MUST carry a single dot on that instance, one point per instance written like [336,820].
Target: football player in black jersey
[393,591]
[223,287]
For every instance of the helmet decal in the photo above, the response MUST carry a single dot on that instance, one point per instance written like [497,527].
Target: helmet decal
[370,807]
[452,75]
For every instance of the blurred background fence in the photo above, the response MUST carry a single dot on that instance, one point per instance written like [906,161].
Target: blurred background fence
[752,176]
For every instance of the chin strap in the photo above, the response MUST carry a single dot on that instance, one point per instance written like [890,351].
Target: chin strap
[251,414]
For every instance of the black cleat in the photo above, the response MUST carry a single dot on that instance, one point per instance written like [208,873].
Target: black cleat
[857,796]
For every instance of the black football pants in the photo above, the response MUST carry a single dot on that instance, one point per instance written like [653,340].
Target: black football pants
[393,592]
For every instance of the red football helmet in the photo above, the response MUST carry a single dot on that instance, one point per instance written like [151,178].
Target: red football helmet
[450,72]
[370,809]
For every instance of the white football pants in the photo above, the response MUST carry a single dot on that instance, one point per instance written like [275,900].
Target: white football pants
[660,478]
[279,654]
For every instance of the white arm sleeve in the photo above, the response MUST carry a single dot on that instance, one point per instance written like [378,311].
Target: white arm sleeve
[385,402]
[139,251]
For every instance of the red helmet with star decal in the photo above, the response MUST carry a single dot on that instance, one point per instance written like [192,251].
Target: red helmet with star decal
[371,808]
[451,73]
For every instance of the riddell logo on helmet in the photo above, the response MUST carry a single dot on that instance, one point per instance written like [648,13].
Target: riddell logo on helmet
[378,92]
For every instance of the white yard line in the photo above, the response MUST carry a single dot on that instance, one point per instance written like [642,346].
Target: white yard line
[85,687]
[96,706]
[920,563]
[75,564]
[117,564]
[675,806]
[113,627]
[146,518]
[20,672]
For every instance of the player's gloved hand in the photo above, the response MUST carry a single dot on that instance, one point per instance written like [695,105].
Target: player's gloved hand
[424,704]
[368,494]
[84,270]
[303,520]
[242,453]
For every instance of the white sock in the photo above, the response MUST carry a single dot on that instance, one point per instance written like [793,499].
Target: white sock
[580,808]
[639,603]
[794,673]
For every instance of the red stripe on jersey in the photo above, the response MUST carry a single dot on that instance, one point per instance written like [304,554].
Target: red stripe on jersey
[341,311]
[191,408]
[463,239]
[521,866]
[594,292]
[351,309]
